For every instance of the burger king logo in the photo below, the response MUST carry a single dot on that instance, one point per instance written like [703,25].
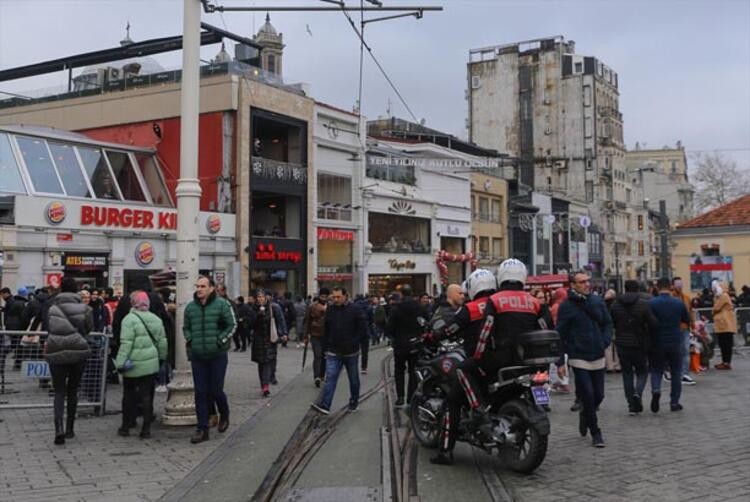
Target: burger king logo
[144,253]
[55,213]
[213,224]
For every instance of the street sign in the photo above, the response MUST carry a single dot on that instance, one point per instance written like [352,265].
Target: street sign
[585,221]
[35,369]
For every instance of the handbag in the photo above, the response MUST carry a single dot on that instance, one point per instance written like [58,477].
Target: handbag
[31,339]
[274,332]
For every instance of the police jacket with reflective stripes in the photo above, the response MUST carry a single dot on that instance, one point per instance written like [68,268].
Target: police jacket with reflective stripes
[465,323]
[515,312]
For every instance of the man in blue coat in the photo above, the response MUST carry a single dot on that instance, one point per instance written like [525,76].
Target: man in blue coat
[585,328]
[667,344]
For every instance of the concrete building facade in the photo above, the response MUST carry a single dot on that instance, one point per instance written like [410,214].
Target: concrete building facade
[558,112]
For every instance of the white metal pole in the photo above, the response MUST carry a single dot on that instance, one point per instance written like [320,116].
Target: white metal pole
[180,408]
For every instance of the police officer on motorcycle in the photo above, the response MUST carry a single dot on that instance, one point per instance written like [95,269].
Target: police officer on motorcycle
[466,323]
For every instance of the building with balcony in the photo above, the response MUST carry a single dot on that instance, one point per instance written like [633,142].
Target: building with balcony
[255,143]
[558,112]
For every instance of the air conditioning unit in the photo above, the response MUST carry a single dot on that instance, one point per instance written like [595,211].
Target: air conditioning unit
[561,164]
[476,82]
[113,74]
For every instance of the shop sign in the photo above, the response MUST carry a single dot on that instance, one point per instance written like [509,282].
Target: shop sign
[453,230]
[213,224]
[55,212]
[144,253]
[268,252]
[399,265]
[335,277]
[64,237]
[53,280]
[333,234]
[107,216]
[85,261]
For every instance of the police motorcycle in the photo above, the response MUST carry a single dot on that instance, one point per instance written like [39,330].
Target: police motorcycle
[516,397]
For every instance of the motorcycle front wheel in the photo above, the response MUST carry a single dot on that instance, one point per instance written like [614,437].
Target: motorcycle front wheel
[424,425]
[527,452]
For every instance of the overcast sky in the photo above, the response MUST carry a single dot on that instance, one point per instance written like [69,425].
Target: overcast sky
[684,66]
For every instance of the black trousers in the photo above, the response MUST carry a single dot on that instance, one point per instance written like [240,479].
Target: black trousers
[402,361]
[241,338]
[66,379]
[364,348]
[319,363]
[726,342]
[138,393]
[265,372]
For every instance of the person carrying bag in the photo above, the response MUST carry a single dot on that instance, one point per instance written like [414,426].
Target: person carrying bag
[143,344]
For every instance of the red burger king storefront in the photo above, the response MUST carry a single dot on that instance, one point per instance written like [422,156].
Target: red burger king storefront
[98,212]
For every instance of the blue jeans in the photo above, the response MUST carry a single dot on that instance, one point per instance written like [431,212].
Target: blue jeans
[633,360]
[208,378]
[686,352]
[590,390]
[333,368]
[667,356]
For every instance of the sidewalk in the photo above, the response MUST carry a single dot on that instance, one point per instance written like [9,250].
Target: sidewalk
[700,453]
[98,464]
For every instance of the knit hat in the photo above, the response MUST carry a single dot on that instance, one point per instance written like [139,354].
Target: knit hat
[139,300]
[22,291]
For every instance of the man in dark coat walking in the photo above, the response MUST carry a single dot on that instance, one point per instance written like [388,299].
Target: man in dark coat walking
[633,321]
[405,330]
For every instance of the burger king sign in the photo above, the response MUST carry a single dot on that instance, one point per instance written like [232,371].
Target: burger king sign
[144,253]
[213,224]
[55,213]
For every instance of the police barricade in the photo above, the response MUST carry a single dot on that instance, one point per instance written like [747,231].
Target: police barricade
[25,378]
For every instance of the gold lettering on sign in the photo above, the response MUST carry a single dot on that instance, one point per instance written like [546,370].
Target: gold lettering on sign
[398,265]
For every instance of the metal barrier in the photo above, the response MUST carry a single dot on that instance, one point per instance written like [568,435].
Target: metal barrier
[743,321]
[25,378]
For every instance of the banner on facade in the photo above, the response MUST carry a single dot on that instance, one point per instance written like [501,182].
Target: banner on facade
[706,269]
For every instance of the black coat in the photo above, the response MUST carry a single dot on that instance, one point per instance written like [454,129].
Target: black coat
[345,328]
[14,313]
[633,321]
[403,325]
[34,310]
[263,350]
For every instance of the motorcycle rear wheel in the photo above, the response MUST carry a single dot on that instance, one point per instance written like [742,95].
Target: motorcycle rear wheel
[530,448]
[427,432]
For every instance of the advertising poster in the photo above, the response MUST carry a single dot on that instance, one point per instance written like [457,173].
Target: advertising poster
[705,269]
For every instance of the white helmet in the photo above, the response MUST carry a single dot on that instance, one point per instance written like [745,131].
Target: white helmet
[480,280]
[511,270]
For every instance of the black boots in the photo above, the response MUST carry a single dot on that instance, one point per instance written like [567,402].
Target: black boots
[655,402]
[69,422]
[582,427]
[59,431]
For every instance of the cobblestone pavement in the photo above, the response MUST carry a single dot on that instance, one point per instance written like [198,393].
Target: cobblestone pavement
[701,453]
[100,465]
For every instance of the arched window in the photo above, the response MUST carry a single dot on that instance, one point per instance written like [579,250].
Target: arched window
[271,66]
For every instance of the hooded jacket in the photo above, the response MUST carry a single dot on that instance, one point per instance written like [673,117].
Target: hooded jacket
[633,321]
[69,320]
[208,328]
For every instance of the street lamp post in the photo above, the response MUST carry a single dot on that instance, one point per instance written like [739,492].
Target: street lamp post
[180,408]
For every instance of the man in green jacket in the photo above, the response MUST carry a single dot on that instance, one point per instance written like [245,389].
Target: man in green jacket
[208,327]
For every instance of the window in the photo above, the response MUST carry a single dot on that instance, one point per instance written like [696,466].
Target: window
[39,164]
[389,233]
[276,215]
[579,67]
[125,175]
[271,63]
[589,191]
[154,182]
[628,195]
[484,209]
[98,172]
[497,248]
[497,211]
[10,175]
[640,222]
[587,131]
[69,169]
[396,169]
[586,95]
[641,248]
[473,208]
[334,197]
[484,246]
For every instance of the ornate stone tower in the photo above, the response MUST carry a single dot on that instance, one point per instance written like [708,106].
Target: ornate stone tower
[273,47]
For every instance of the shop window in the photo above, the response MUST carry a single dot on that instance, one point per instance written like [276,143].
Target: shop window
[99,174]
[69,169]
[334,197]
[276,216]
[39,164]
[10,174]
[398,234]
[394,169]
[152,178]
[125,175]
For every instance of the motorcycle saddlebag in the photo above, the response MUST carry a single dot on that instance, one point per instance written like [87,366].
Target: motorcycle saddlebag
[539,347]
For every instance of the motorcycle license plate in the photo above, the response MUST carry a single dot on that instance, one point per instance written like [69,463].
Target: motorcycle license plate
[541,396]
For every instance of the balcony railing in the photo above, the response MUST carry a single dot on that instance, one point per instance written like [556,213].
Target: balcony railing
[483,217]
[277,170]
[330,211]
